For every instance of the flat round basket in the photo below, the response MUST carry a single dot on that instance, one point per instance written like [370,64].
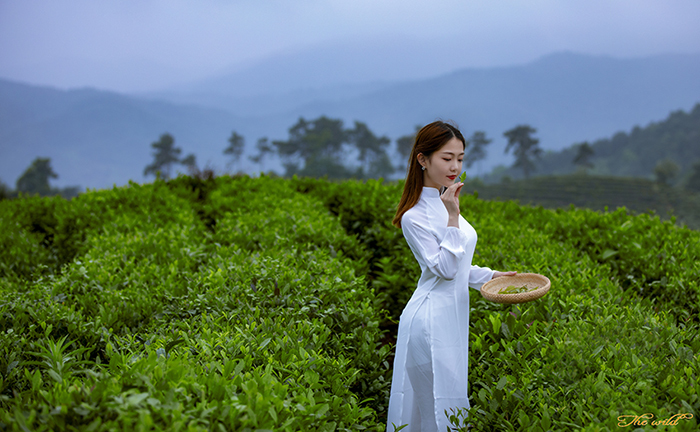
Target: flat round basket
[490,289]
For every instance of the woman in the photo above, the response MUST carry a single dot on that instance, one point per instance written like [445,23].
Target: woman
[430,366]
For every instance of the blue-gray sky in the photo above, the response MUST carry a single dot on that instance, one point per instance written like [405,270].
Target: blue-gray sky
[137,45]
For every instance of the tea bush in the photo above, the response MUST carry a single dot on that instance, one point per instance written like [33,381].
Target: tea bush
[271,304]
[617,335]
[163,321]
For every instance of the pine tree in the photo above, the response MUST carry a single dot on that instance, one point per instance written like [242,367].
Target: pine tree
[525,147]
[35,179]
[165,155]
[235,148]
[475,148]
[584,153]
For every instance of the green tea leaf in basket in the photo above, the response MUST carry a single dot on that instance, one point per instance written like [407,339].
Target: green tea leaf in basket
[511,289]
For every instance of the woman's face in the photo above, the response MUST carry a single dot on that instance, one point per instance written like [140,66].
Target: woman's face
[444,165]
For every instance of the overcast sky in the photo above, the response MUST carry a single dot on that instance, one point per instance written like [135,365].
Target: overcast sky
[136,45]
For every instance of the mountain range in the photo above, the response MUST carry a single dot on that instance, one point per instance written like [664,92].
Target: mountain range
[97,138]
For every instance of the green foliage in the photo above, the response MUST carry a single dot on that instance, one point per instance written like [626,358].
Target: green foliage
[693,183]
[525,147]
[666,171]
[190,161]
[476,145]
[37,237]
[372,150]
[4,191]
[264,148]
[365,210]
[584,153]
[259,304]
[164,156]
[314,149]
[235,147]
[314,144]
[35,179]
[405,143]
[182,307]
[595,348]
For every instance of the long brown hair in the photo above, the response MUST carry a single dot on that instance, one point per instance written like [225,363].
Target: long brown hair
[429,139]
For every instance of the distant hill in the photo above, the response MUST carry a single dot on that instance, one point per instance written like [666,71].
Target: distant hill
[630,154]
[567,97]
[98,138]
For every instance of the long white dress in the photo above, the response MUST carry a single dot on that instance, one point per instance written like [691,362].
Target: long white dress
[432,351]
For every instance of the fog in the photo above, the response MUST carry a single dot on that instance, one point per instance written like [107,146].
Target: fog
[134,46]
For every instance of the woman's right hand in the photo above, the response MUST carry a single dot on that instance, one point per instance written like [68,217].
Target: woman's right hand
[451,200]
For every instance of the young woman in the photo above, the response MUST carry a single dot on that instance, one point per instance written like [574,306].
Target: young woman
[430,366]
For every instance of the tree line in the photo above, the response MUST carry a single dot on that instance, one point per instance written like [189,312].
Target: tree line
[666,151]
[35,181]
[322,147]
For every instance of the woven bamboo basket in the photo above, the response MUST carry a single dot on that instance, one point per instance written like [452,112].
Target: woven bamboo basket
[490,289]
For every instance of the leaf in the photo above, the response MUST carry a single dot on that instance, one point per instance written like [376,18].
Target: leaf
[11,366]
[505,330]
[264,343]
[597,350]
[52,373]
[273,413]
[608,253]
[502,383]
[136,399]
[175,342]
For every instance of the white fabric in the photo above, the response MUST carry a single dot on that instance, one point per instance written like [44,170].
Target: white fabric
[432,351]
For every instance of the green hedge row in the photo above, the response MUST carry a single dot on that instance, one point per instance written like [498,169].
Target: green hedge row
[164,319]
[257,303]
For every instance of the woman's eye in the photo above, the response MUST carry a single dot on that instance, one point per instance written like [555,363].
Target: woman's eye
[446,159]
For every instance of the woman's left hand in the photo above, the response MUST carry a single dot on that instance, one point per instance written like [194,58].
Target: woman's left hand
[499,274]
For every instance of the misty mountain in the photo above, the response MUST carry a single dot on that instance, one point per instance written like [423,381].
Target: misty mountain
[333,66]
[97,138]
[567,97]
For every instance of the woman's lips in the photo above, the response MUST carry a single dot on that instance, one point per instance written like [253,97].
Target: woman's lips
[452,177]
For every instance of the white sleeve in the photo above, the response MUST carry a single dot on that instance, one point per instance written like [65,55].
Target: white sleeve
[479,276]
[441,258]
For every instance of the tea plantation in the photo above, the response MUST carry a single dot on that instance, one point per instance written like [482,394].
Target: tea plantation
[238,303]
[637,195]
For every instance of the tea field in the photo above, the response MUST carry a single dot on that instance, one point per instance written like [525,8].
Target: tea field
[238,303]
[637,195]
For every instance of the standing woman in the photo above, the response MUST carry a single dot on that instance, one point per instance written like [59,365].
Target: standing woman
[430,366]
